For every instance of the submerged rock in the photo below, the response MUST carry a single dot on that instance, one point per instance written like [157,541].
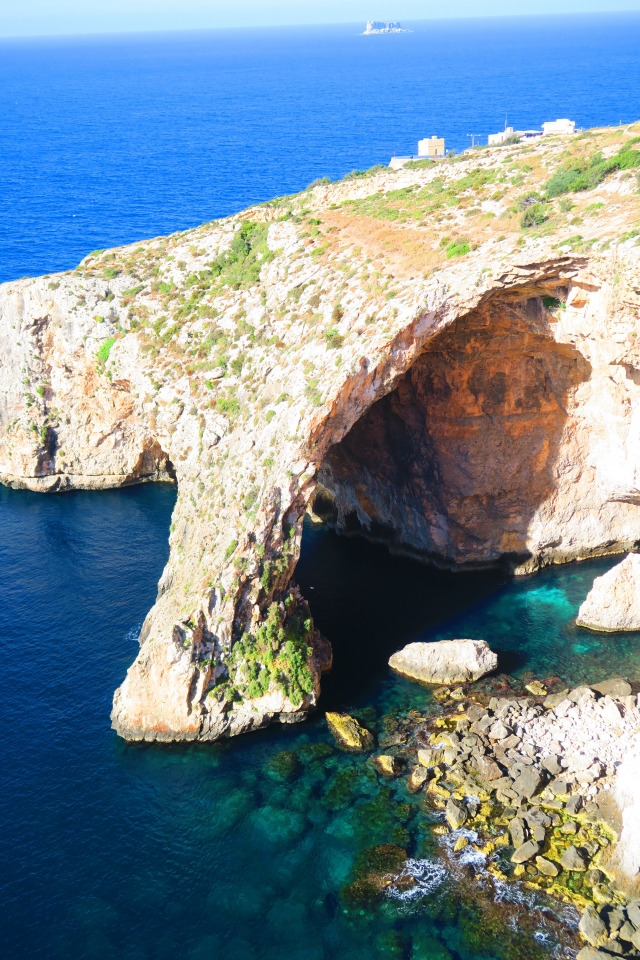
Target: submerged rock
[348,733]
[387,765]
[613,603]
[449,661]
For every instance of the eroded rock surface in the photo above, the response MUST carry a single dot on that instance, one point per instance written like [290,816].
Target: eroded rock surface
[613,603]
[449,661]
[395,352]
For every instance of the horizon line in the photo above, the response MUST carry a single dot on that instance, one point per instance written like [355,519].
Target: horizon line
[143,31]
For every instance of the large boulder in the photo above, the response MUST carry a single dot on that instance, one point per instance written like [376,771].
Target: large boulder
[449,661]
[613,603]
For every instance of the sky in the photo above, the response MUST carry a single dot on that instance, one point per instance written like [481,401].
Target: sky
[46,17]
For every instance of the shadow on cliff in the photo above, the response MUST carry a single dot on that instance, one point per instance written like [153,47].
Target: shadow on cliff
[453,464]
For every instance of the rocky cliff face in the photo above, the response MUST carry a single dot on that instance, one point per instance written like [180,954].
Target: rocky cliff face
[400,351]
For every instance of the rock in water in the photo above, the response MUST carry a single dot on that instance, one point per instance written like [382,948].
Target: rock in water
[456,814]
[387,765]
[348,733]
[449,661]
[613,603]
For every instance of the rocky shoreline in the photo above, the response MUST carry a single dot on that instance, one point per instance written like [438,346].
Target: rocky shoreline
[527,780]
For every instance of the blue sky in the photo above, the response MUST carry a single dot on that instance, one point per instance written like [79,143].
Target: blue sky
[37,17]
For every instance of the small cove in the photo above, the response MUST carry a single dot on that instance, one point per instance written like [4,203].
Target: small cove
[151,851]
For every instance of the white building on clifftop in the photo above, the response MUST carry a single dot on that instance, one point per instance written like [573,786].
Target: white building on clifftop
[562,127]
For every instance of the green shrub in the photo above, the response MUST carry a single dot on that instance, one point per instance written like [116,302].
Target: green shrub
[333,338]
[419,164]
[578,175]
[110,273]
[240,266]
[457,248]
[233,546]
[551,303]
[320,182]
[269,415]
[535,215]
[40,391]
[228,405]
[105,349]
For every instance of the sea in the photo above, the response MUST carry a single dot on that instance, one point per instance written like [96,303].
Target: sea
[243,849]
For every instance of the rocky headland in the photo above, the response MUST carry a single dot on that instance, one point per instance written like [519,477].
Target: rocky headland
[442,358]
[613,603]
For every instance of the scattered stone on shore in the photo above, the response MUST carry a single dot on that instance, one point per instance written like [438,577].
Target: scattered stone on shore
[348,733]
[546,867]
[530,774]
[449,661]
[528,850]
[613,603]
[456,814]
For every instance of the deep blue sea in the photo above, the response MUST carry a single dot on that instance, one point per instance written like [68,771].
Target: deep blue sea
[107,140]
[147,852]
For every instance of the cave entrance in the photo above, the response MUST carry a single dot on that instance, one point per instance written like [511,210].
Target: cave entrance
[454,463]
[369,603]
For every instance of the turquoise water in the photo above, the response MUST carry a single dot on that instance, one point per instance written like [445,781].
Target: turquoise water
[141,851]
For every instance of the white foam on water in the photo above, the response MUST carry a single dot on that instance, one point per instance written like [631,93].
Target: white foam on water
[426,874]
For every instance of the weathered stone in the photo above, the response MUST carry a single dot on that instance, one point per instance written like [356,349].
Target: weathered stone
[555,699]
[499,731]
[456,814]
[574,804]
[476,712]
[613,688]
[627,931]
[517,831]
[528,782]
[590,953]
[449,661]
[593,928]
[538,833]
[633,912]
[461,843]
[429,757]
[613,603]
[488,768]
[525,852]
[570,828]
[559,788]
[572,859]
[546,867]
[417,778]
[552,765]
[387,765]
[536,688]
[348,733]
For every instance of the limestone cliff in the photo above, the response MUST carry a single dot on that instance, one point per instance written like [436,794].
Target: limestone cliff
[443,358]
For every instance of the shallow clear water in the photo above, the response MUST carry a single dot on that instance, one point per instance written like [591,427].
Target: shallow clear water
[114,850]
[107,140]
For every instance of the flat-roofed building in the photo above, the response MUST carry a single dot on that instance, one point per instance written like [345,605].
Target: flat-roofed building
[561,127]
[431,147]
[497,138]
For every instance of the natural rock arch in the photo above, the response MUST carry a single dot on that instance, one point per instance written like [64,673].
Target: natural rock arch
[452,465]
